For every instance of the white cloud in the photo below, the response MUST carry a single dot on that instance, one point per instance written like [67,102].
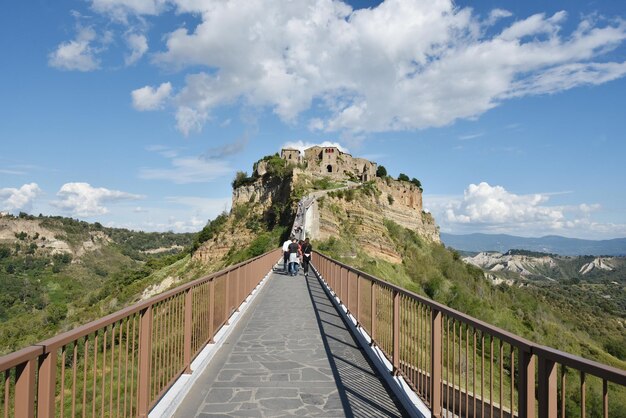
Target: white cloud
[81,199]
[12,199]
[120,9]
[497,14]
[493,209]
[402,65]
[187,170]
[487,204]
[78,54]
[138,45]
[302,145]
[149,98]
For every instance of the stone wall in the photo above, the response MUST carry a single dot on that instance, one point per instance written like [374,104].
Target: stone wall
[331,162]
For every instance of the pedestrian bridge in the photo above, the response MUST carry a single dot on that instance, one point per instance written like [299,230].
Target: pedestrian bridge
[250,341]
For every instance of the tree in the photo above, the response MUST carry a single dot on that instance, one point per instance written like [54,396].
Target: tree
[240,179]
[381,171]
[403,177]
[416,182]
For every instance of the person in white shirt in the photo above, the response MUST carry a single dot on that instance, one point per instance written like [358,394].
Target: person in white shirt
[286,253]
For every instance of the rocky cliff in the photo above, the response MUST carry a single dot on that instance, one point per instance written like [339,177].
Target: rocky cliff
[549,267]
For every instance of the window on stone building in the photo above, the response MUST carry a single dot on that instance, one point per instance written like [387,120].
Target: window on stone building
[329,168]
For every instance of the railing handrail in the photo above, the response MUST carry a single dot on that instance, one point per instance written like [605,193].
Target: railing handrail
[601,370]
[183,320]
[61,339]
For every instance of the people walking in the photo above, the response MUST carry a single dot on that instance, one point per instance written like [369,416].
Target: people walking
[294,257]
[307,249]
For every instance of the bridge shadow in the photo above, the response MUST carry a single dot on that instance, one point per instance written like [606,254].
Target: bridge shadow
[362,392]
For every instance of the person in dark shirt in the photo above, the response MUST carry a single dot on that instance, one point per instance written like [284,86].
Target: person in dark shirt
[307,249]
[294,255]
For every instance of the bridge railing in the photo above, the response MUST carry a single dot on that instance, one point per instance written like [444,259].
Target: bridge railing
[461,365]
[122,364]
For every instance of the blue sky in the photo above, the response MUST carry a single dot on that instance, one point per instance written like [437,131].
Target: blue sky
[138,113]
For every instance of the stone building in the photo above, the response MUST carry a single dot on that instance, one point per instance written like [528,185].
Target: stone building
[291,155]
[332,162]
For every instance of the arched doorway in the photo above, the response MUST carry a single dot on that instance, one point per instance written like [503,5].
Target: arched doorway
[329,168]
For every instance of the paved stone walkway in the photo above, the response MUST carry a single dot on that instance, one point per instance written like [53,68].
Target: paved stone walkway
[290,355]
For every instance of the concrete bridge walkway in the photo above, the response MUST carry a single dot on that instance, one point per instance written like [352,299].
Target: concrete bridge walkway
[290,355]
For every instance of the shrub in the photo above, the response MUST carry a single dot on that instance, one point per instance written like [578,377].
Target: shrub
[381,171]
[403,177]
[242,179]
[209,231]
[390,199]
[4,251]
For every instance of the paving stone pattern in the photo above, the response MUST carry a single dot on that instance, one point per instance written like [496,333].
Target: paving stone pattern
[291,355]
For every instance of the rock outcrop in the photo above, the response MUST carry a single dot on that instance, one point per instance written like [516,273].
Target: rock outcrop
[521,264]
[47,240]
[599,263]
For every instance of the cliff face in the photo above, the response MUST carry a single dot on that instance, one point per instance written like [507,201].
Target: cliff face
[361,213]
[255,207]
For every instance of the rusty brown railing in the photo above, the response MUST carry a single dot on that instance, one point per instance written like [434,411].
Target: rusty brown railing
[121,365]
[461,365]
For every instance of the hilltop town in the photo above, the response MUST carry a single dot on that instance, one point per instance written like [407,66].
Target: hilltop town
[341,192]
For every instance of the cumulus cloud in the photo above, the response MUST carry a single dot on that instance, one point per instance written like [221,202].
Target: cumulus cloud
[138,45]
[493,209]
[78,54]
[402,65]
[149,98]
[485,204]
[12,199]
[81,199]
[302,145]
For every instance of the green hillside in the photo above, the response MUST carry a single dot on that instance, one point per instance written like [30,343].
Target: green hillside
[45,290]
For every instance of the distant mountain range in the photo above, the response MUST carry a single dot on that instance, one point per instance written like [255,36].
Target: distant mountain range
[553,244]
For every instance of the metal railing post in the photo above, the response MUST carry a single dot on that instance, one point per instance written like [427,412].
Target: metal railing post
[25,389]
[396,332]
[348,274]
[358,300]
[227,299]
[188,327]
[211,311]
[238,291]
[145,362]
[526,384]
[47,385]
[435,364]
[547,388]
[373,311]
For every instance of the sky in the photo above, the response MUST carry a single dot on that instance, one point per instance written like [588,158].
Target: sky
[138,113]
